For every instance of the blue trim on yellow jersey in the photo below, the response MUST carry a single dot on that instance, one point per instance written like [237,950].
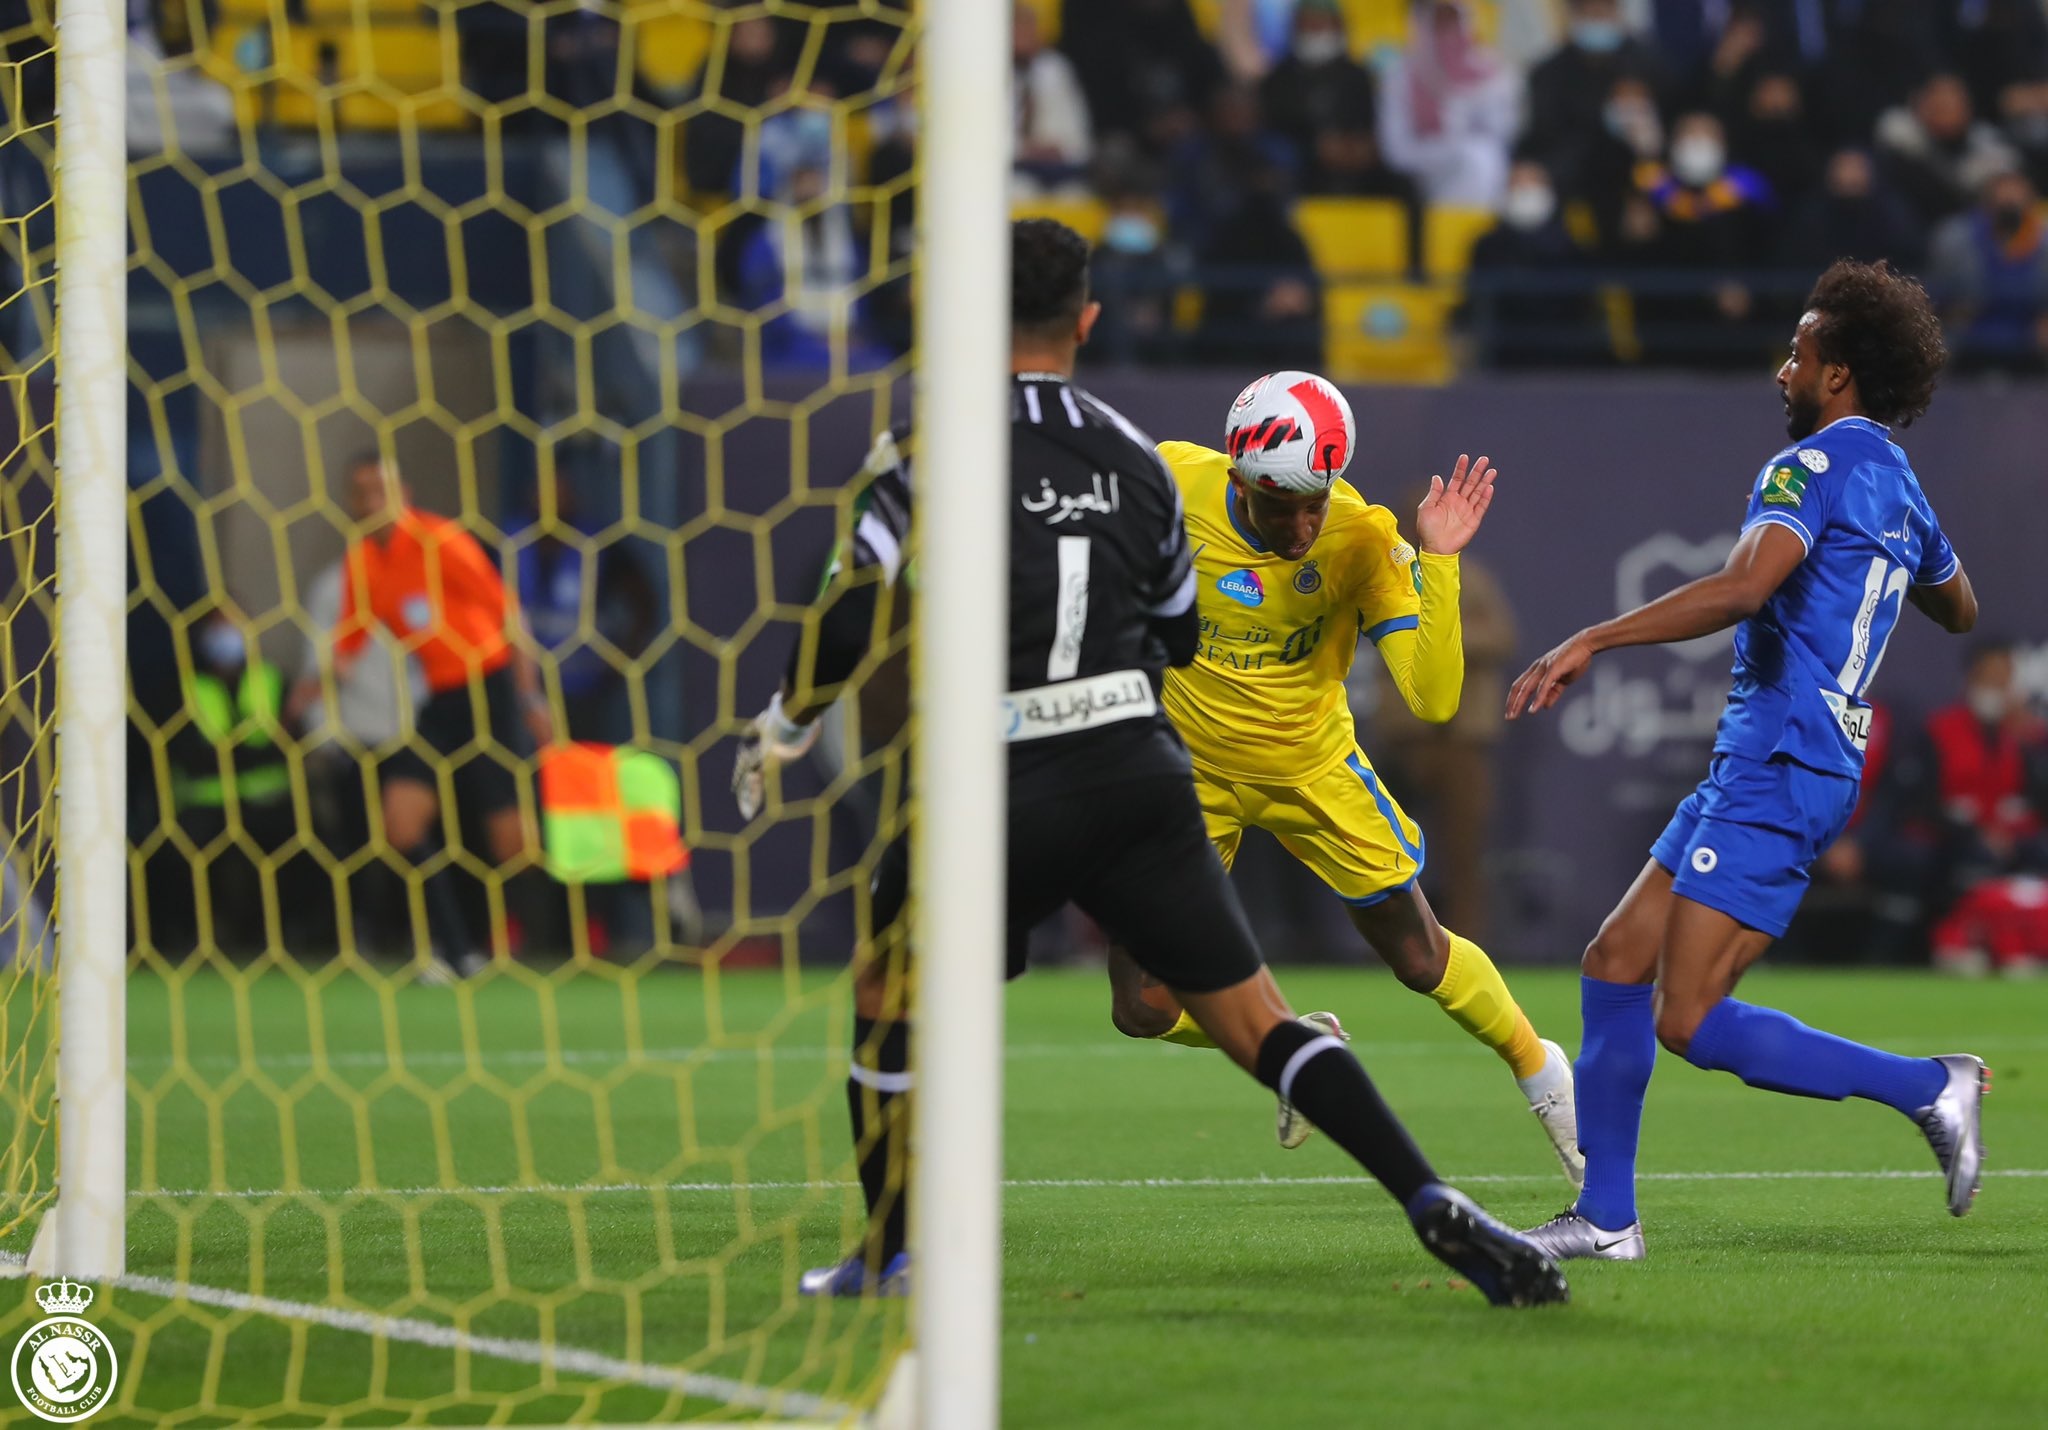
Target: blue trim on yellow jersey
[1379,797]
[1385,628]
[1251,538]
[1417,852]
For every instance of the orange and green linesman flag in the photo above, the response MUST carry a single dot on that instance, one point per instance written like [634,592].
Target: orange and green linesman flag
[610,815]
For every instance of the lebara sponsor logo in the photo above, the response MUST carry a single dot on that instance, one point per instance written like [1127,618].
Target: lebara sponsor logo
[1243,587]
[64,1369]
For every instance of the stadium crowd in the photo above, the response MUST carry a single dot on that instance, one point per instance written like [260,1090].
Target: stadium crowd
[1570,181]
[1649,181]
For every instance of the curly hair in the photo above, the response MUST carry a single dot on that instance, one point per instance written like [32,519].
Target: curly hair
[1878,323]
[1048,276]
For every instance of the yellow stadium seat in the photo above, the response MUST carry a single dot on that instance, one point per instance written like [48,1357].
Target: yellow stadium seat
[1354,238]
[668,49]
[1084,216]
[1376,25]
[400,70]
[1387,332]
[1447,238]
[1379,26]
[1048,18]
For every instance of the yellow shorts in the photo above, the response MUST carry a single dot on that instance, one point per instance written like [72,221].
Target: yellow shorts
[1343,825]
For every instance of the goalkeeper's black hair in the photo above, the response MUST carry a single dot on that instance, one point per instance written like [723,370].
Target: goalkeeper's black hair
[1048,279]
[1878,323]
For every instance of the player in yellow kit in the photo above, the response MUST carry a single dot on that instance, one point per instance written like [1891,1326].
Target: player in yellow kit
[1292,566]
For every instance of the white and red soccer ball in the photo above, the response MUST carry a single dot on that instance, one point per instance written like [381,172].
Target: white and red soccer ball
[1290,431]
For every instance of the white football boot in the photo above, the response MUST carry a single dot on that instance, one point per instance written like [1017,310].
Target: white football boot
[1293,1129]
[1954,1124]
[1549,1090]
[1570,1237]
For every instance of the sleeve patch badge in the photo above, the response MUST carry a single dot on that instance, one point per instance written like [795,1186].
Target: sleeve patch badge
[1786,485]
[1401,555]
[1813,459]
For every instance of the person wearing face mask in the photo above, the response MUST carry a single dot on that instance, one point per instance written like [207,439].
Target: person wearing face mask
[1317,83]
[1716,219]
[1990,270]
[1568,92]
[1130,268]
[1513,306]
[231,776]
[1989,768]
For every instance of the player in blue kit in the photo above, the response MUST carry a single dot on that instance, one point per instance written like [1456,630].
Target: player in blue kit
[1838,538]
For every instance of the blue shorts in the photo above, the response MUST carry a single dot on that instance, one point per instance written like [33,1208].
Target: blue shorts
[1744,840]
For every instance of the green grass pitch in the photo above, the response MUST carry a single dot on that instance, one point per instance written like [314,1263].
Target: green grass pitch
[1166,1264]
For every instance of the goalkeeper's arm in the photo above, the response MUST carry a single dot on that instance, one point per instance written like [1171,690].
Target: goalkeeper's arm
[819,669]
[839,639]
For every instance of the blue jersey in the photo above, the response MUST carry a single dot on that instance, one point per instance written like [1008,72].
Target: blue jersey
[1803,662]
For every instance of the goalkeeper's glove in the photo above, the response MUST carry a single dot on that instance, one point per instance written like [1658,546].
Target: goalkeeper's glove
[773,739]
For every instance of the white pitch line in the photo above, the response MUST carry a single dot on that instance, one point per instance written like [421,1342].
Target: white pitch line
[805,1052]
[556,1189]
[556,1359]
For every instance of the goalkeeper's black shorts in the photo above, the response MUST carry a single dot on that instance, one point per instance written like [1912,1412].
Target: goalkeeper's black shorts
[1132,855]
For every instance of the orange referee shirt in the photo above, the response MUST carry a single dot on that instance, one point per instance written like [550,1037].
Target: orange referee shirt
[430,583]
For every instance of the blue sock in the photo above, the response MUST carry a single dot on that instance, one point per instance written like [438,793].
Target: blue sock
[1616,1055]
[1773,1050]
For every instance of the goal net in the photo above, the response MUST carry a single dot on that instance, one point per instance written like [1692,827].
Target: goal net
[481,1063]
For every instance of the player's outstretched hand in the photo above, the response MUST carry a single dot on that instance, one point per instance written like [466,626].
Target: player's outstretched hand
[1543,683]
[772,739]
[1449,516]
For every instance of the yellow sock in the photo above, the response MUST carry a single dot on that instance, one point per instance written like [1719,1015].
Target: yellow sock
[1478,1001]
[1188,1033]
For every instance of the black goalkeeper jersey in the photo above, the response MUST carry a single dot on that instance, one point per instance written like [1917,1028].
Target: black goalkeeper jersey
[1102,591]
[1102,588]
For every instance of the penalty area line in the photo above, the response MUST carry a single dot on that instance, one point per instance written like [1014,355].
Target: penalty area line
[554,1359]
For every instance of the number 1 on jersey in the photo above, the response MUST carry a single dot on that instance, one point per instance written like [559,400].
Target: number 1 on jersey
[1070,609]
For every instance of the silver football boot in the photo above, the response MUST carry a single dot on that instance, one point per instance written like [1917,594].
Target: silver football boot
[1954,1124]
[1570,1237]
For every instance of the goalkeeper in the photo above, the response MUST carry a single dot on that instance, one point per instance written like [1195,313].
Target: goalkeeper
[863,605]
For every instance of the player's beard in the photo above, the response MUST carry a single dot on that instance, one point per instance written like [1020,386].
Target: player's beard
[1802,417]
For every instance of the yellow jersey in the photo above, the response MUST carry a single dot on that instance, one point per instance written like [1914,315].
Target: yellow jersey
[1264,701]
